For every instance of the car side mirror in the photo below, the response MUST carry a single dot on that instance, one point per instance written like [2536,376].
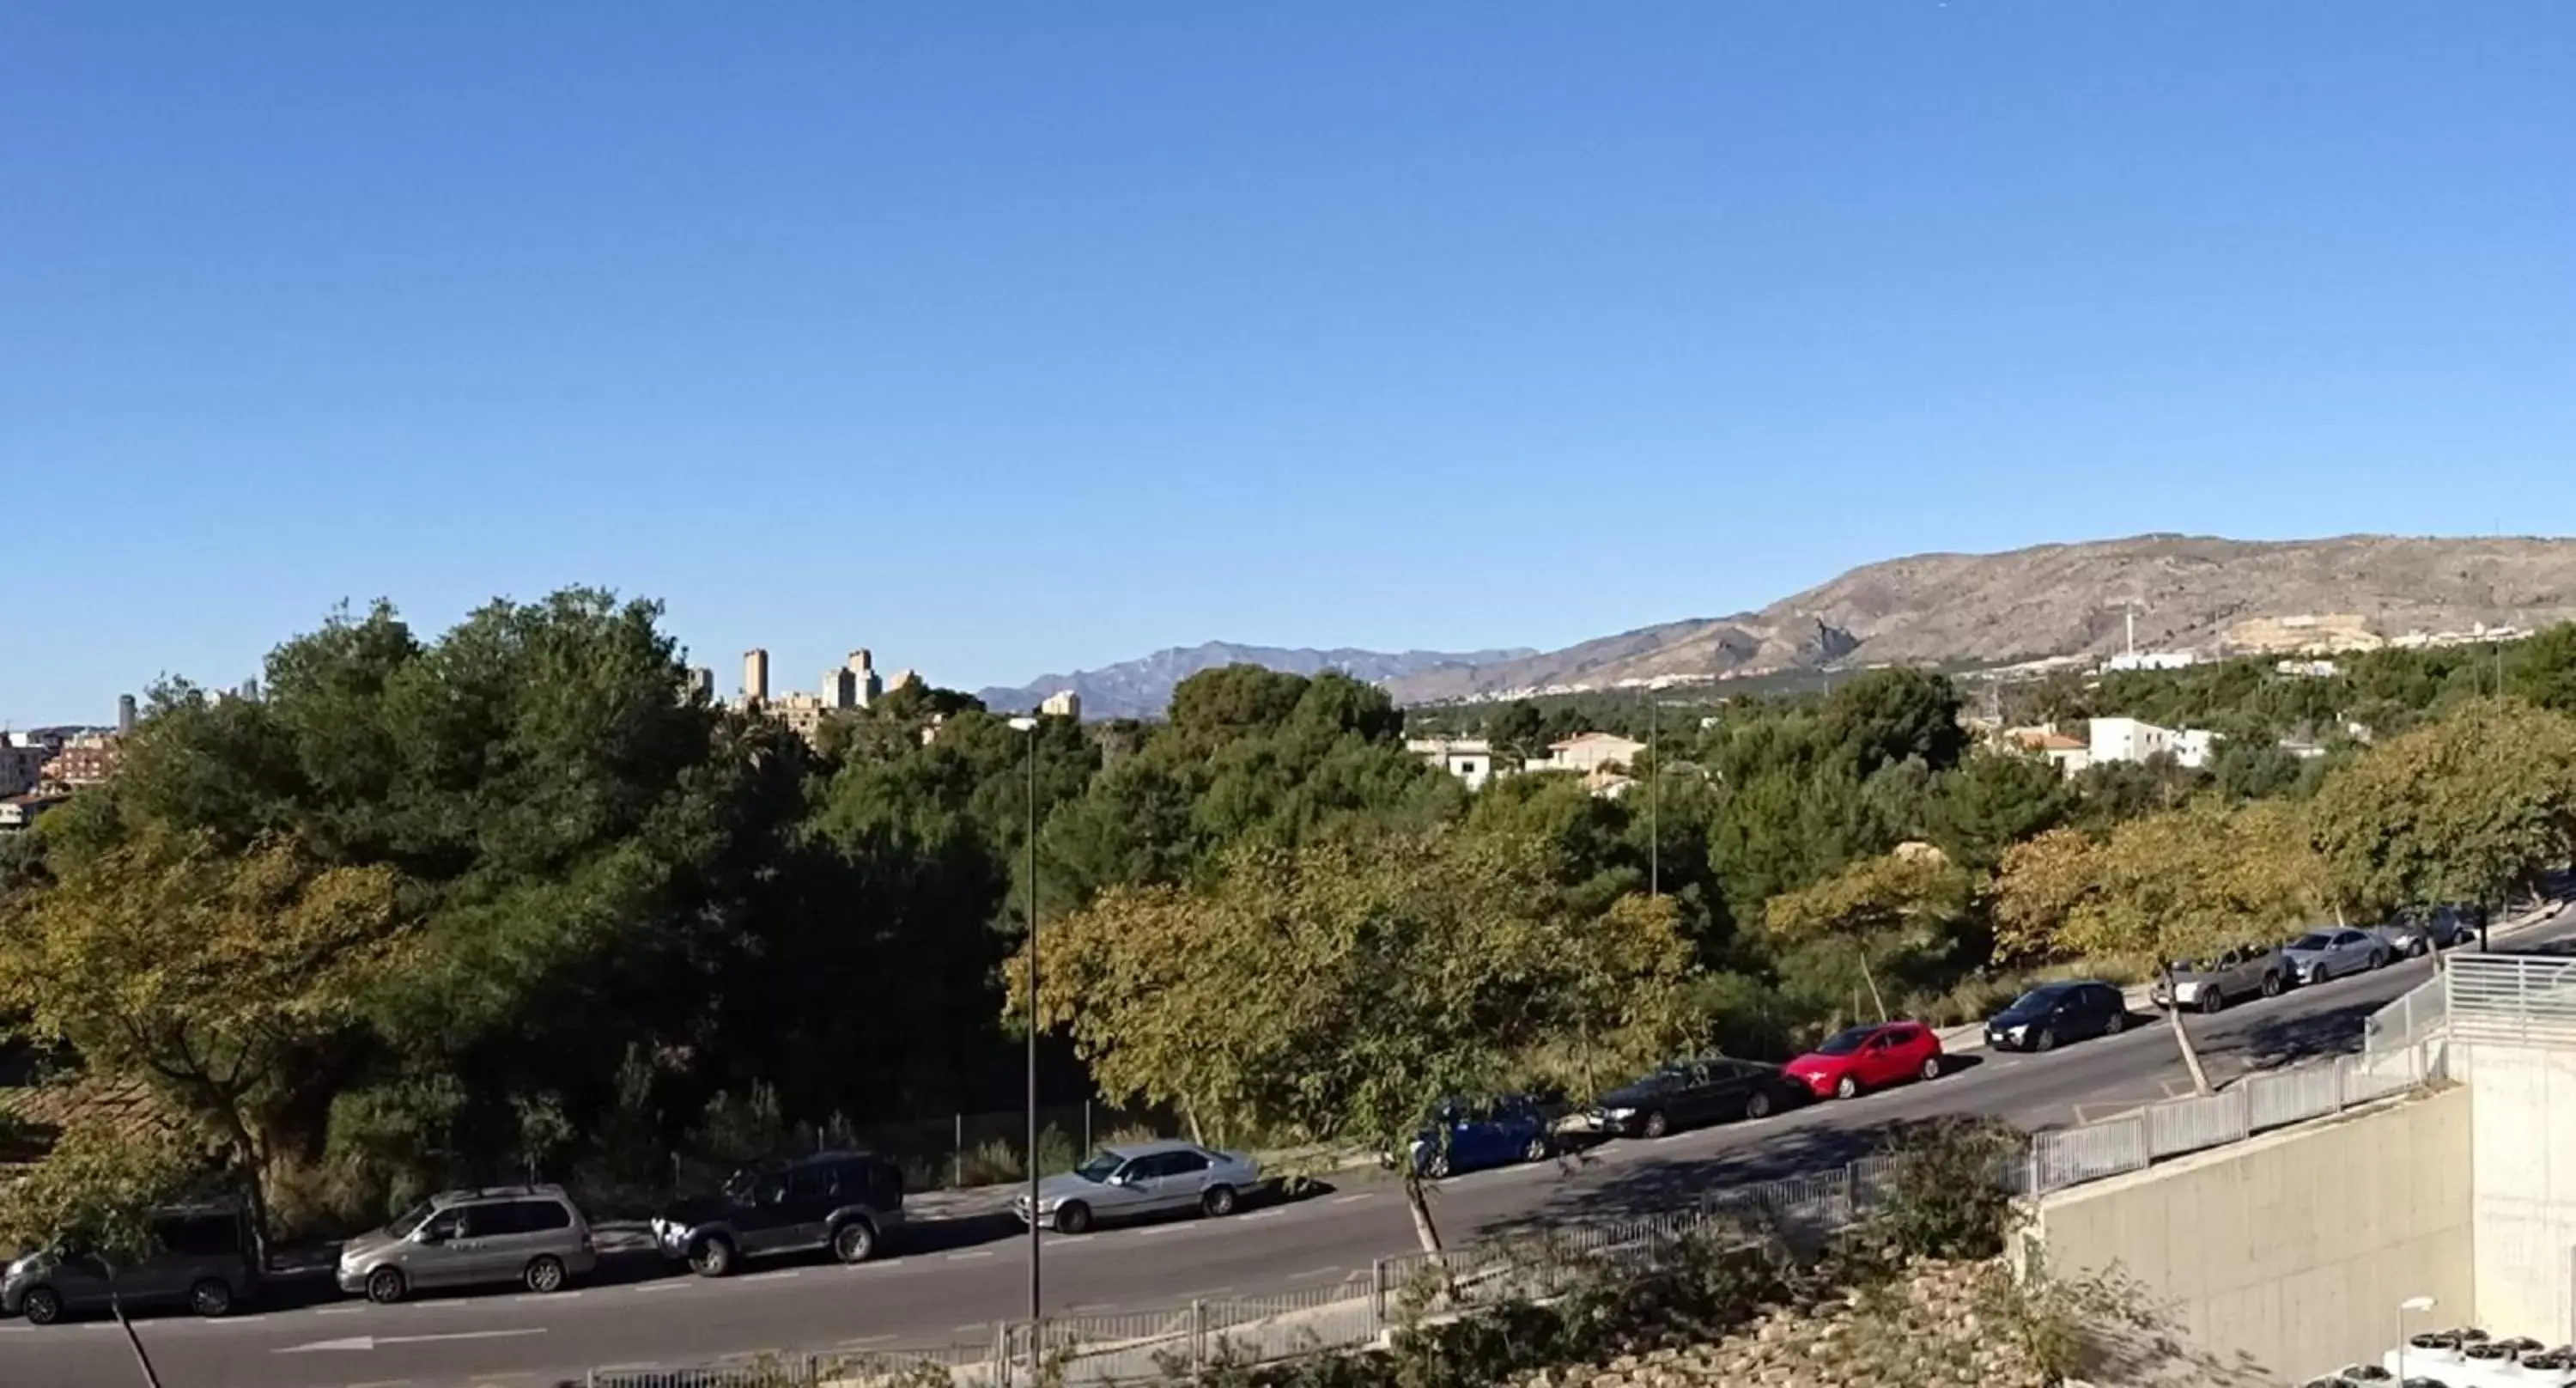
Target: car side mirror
[427,1235]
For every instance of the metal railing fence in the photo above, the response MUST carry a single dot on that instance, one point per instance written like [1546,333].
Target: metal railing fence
[1127,1347]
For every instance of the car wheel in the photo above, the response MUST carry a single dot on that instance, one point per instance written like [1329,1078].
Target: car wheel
[855,1241]
[1655,1124]
[544,1274]
[385,1286]
[1931,1068]
[211,1297]
[2418,948]
[1073,1217]
[2212,1000]
[1436,1166]
[1757,1105]
[1539,1149]
[2118,1023]
[2046,1040]
[1218,1202]
[2271,985]
[43,1306]
[1846,1088]
[2378,960]
[711,1256]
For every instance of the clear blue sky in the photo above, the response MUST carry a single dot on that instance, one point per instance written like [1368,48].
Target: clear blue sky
[1009,338]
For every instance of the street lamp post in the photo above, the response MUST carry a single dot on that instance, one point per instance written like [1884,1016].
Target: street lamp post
[2412,1303]
[1029,726]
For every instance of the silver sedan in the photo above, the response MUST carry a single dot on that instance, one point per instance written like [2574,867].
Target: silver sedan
[1148,1178]
[2323,954]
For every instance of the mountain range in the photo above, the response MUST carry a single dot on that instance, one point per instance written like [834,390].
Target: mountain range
[1143,688]
[1973,610]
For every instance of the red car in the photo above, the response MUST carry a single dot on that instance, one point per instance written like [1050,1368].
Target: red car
[1868,1057]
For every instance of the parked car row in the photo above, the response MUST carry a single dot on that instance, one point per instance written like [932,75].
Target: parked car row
[2316,956]
[533,1236]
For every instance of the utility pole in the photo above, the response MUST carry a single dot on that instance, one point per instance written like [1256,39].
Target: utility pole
[1654,798]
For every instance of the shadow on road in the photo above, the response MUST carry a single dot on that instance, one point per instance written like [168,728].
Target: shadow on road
[2275,1042]
[1646,1188]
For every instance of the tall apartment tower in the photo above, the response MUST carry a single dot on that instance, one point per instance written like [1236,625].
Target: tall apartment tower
[702,682]
[125,715]
[755,676]
[863,675]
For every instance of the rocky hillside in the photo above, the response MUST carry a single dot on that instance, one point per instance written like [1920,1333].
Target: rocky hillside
[2064,600]
[1143,688]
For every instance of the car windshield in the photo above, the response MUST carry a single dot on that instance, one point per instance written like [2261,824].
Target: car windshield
[2040,997]
[1098,1168]
[408,1220]
[2314,939]
[1846,1042]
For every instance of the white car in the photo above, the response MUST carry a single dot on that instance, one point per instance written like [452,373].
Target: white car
[1148,1178]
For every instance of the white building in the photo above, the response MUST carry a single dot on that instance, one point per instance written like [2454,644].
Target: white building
[2068,754]
[2151,660]
[1470,759]
[1590,752]
[2131,739]
[1063,703]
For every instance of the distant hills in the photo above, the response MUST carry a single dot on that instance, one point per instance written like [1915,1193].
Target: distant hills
[1143,688]
[2070,600]
[1976,610]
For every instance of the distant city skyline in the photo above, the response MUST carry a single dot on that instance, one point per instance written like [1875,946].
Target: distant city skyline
[1035,339]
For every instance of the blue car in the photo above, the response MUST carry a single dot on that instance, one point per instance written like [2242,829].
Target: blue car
[1467,1135]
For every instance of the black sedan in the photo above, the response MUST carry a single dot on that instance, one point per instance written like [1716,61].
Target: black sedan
[2055,1012]
[1686,1092]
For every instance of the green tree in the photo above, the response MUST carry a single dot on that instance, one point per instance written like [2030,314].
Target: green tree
[1518,732]
[2541,670]
[1896,898]
[1893,714]
[1392,973]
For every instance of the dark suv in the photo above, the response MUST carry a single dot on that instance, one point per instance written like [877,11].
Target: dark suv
[848,1202]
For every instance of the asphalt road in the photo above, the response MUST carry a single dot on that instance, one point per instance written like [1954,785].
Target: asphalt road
[953,1281]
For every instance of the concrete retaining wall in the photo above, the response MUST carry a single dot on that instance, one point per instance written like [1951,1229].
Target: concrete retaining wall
[2293,1249]
[2526,1187]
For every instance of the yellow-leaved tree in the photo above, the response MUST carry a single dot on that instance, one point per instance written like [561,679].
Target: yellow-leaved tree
[219,977]
[2178,885]
[1335,993]
[1877,904]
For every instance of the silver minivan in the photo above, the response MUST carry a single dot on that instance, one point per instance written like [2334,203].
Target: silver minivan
[531,1235]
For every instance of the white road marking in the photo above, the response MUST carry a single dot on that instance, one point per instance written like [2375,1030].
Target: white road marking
[381,1383]
[1263,1214]
[670,1286]
[962,1257]
[866,1340]
[1161,1229]
[971,1326]
[779,1275]
[1312,1272]
[369,1342]
[338,1310]
[1353,1199]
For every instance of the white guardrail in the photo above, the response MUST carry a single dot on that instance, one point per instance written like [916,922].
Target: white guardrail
[1129,1347]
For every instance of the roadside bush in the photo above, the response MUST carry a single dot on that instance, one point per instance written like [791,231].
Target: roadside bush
[1944,1197]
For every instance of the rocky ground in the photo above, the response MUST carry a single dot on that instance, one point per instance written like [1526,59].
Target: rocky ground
[1942,1324]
